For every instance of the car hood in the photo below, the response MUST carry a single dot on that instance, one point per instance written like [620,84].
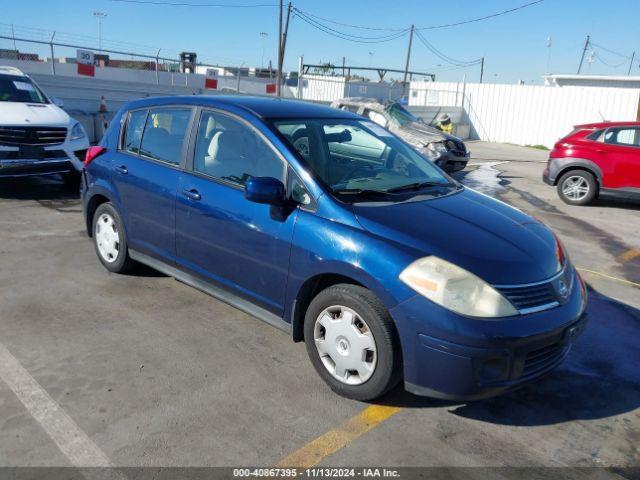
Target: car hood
[420,134]
[32,114]
[496,242]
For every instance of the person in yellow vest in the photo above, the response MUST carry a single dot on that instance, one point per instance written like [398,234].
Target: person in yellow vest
[444,123]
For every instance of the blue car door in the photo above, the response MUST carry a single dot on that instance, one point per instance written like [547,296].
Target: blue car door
[146,171]
[219,234]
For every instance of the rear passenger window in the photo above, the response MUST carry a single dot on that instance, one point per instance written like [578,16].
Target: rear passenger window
[623,136]
[164,134]
[135,127]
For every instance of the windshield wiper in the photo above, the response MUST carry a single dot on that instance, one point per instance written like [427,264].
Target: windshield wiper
[418,185]
[360,191]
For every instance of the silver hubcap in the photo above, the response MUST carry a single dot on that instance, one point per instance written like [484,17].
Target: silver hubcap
[107,238]
[575,188]
[345,344]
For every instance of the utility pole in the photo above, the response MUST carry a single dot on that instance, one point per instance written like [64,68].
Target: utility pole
[283,47]
[344,59]
[53,60]
[406,66]
[278,72]
[633,56]
[13,32]
[481,69]
[584,52]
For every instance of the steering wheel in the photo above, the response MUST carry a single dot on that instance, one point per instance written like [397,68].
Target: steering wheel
[353,173]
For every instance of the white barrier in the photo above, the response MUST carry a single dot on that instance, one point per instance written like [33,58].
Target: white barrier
[527,114]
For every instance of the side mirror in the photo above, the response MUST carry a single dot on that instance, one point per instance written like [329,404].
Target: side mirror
[58,102]
[266,190]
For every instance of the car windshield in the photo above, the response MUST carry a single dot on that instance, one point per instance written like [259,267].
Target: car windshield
[400,115]
[20,89]
[358,157]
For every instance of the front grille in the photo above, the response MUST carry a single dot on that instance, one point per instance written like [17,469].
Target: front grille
[32,135]
[530,297]
[543,358]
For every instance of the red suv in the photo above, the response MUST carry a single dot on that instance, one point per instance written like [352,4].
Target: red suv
[596,158]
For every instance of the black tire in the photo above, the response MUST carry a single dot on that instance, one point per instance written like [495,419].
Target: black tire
[588,180]
[72,181]
[388,368]
[121,263]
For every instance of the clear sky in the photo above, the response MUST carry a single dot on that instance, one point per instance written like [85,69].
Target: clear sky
[514,45]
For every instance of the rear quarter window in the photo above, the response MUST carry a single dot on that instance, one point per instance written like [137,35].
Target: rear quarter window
[134,128]
[596,136]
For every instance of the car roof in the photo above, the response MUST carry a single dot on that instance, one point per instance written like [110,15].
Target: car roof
[5,70]
[608,124]
[263,107]
[361,100]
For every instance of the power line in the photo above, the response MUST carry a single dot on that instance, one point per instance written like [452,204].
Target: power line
[610,51]
[189,4]
[446,58]
[362,27]
[347,36]
[391,36]
[624,62]
[430,27]
[479,19]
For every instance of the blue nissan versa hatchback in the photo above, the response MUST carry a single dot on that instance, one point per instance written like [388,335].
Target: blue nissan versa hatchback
[326,225]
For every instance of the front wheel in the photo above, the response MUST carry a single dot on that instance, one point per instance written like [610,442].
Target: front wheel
[577,187]
[352,342]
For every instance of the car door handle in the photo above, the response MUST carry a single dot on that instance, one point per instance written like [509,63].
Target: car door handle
[192,194]
[122,169]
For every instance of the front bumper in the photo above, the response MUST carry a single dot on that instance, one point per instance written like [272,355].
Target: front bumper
[452,162]
[28,160]
[50,160]
[446,355]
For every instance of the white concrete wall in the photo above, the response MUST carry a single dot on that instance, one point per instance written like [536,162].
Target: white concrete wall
[128,75]
[527,114]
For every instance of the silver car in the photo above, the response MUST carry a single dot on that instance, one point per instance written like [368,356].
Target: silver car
[446,151]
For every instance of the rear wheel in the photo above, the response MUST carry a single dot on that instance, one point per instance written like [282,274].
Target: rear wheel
[352,342]
[109,239]
[577,187]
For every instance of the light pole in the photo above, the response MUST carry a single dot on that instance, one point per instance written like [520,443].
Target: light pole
[99,16]
[264,36]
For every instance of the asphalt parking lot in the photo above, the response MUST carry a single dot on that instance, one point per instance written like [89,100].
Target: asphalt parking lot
[140,370]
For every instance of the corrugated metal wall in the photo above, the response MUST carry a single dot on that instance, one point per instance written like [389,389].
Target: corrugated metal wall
[527,114]
[325,88]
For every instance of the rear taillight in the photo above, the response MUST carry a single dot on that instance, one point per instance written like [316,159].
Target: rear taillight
[92,154]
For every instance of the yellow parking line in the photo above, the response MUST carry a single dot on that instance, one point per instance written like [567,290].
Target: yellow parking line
[610,277]
[337,438]
[629,255]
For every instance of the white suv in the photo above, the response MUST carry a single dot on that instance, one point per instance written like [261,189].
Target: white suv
[37,137]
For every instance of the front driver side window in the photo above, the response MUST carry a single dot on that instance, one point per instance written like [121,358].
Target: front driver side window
[230,150]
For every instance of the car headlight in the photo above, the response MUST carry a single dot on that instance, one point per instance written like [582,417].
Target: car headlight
[437,147]
[77,132]
[456,289]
